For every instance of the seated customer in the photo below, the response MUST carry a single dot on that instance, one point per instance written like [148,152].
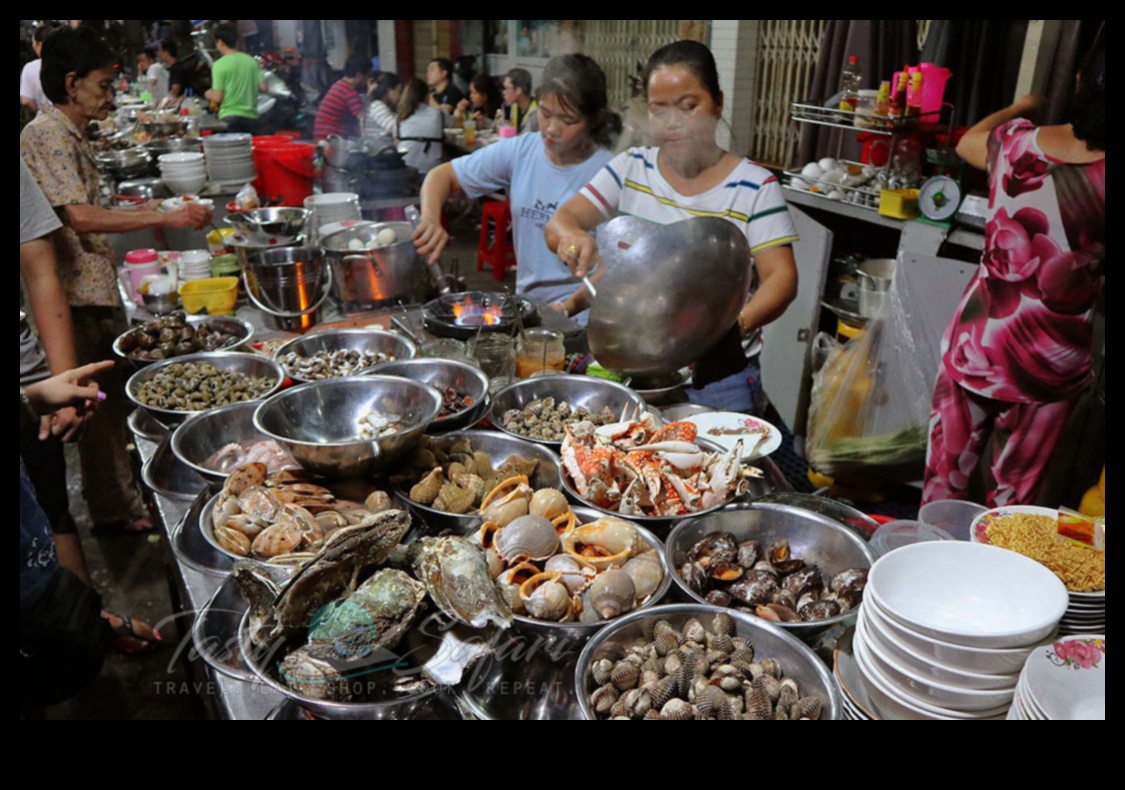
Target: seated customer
[341,109]
[419,128]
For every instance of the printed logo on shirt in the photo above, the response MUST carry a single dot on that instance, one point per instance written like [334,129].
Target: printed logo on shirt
[540,213]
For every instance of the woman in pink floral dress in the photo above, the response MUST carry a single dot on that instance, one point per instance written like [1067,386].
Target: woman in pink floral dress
[1019,350]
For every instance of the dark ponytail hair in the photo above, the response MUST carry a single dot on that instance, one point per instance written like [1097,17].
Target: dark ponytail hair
[579,84]
[384,83]
[693,56]
[1087,112]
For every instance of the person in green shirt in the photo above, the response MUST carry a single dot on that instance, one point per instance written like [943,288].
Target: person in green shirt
[236,80]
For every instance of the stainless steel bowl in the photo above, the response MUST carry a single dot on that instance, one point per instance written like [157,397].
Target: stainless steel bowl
[501,448]
[161,304]
[201,437]
[252,365]
[669,292]
[441,374]
[431,704]
[244,330]
[858,522]
[129,163]
[595,394]
[319,422]
[531,678]
[661,525]
[175,145]
[269,227]
[816,539]
[141,189]
[369,340]
[797,660]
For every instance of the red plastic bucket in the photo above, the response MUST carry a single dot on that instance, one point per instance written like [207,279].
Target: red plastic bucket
[285,170]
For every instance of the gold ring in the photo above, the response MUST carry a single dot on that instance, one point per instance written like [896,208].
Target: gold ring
[572,249]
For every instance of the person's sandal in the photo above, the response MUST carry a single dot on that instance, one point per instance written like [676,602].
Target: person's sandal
[127,629]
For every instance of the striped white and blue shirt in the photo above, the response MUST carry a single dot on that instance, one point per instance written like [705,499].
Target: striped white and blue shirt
[751,198]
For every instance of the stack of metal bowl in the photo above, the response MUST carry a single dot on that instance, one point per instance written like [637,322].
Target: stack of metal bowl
[320,423]
[123,165]
[812,537]
[443,375]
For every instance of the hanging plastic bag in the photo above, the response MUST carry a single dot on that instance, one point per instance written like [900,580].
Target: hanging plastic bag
[871,400]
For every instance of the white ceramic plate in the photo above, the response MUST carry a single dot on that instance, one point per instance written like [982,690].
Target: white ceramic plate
[1066,680]
[850,678]
[725,428]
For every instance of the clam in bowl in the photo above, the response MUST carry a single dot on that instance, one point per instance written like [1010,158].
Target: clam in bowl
[350,427]
[340,353]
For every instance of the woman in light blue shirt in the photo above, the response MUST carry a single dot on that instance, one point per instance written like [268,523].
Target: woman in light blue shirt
[541,171]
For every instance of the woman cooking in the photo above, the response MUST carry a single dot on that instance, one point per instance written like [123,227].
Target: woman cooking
[689,175]
[541,171]
[1018,353]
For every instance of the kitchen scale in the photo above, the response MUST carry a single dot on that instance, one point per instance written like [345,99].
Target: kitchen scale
[939,199]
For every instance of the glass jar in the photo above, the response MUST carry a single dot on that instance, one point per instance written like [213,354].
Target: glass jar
[496,355]
[538,350]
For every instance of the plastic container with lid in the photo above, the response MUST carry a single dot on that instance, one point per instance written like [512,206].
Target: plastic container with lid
[953,516]
[144,257]
[897,534]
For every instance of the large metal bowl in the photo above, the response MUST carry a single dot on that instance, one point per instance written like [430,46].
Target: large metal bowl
[816,539]
[319,422]
[662,525]
[252,365]
[269,227]
[531,678]
[433,703]
[129,163]
[859,523]
[201,437]
[669,292]
[595,394]
[797,660]
[376,341]
[243,330]
[442,374]
[501,448]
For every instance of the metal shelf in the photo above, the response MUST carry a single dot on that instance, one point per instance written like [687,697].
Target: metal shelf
[811,200]
[879,124]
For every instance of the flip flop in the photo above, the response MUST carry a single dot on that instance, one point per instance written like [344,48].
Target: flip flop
[127,629]
[128,526]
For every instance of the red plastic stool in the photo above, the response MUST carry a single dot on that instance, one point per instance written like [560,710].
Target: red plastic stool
[496,238]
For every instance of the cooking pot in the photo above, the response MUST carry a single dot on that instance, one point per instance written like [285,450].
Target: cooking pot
[375,265]
[875,279]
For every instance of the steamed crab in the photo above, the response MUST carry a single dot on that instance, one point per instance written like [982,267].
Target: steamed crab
[637,468]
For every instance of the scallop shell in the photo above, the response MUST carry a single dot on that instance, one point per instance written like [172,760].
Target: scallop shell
[613,594]
[527,539]
[233,541]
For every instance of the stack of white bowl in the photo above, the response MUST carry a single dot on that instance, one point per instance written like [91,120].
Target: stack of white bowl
[184,173]
[329,208]
[945,629]
[1086,612]
[195,265]
[230,159]
[1063,681]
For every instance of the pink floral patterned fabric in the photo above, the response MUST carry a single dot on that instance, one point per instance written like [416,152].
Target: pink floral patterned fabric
[1023,332]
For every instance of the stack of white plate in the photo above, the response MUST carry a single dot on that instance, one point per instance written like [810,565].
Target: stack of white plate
[183,173]
[230,159]
[1086,612]
[333,207]
[1063,681]
[855,700]
[946,627]
[195,265]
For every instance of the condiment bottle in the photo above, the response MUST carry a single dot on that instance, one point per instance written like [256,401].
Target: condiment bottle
[897,110]
[851,78]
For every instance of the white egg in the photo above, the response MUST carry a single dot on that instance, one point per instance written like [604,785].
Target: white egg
[828,163]
[812,170]
[799,183]
[837,194]
[373,245]
[355,245]
[386,237]
[834,177]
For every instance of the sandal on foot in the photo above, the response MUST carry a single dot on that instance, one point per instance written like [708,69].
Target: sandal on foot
[126,630]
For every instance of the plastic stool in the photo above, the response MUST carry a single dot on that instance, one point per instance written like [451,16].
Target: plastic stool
[496,238]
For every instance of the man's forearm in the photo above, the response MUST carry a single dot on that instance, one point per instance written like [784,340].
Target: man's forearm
[94,219]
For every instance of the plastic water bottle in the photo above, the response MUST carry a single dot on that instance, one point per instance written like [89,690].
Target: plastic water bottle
[851,80]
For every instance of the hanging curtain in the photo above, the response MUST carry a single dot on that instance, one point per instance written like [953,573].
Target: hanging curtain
[1077,38]
[984,56]
[883,47]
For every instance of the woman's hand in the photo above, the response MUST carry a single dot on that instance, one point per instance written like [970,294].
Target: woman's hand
[71,389]
[430,238]
[579,252]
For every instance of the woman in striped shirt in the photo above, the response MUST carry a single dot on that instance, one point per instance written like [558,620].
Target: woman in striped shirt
[689,175]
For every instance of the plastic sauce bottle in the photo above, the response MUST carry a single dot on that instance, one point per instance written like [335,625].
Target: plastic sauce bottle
[883,102]
[897,110]
[851,79]
[914,102]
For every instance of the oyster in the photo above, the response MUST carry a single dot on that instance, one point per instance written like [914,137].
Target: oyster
[314,677]
[378,614]
[456,575]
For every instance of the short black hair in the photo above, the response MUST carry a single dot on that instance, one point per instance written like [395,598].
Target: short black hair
[385,82]
[41,32]
[357,64]
[521,79]
[68,51]
[445,64]
[149,52]
[228,35]
[170,46]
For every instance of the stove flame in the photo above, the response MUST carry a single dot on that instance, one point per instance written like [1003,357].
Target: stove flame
[468,313]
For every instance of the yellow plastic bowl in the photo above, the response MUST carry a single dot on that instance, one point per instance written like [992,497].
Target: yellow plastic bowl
[216,295]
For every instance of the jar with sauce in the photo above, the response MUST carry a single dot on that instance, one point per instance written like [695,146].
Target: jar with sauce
[538,350]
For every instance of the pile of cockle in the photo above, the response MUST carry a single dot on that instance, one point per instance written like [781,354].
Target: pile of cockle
[284,517]
[699,673]
[199,386]
[550,568]
[325,631]
[446,474]
[331,364]
[773,585]
[542,419]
